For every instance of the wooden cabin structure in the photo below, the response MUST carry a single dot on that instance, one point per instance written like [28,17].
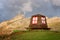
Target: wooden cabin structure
[38,22]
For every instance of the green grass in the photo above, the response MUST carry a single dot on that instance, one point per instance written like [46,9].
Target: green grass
[37,35]
[16,31]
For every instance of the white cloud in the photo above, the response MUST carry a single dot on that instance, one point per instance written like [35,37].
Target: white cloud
[1,5]
[46,0]
[27,6]
[56,2]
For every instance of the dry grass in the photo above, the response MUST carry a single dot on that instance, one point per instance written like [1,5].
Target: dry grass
[21,23]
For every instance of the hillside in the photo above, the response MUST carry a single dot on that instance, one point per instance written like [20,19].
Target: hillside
[33,35]
[54,23]
[36,35]
[19,22]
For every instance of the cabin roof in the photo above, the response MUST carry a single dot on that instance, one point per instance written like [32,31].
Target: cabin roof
[38,15]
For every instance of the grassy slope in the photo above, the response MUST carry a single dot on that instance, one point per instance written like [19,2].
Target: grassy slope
[54,23]
[37,35]
[55,26]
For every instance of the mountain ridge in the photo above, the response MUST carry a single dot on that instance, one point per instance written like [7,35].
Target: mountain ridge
[21,23]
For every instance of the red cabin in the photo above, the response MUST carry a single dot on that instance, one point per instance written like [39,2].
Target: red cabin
[38,22]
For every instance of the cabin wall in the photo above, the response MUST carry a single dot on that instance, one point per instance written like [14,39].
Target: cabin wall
[39,23]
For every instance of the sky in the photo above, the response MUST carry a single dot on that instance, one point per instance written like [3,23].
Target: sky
[10,8]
